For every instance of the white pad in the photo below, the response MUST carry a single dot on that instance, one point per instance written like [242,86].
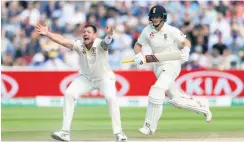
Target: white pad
[157,91]
[155,100]
[154,112]
[190,103]
[156,95]
[154,108]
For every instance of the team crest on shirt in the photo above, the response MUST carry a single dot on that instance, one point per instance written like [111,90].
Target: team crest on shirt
[93,50]
[151,35]
[165,37]
[84,51]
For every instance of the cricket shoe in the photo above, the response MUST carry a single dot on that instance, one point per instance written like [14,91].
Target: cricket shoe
[208,116]
[121,137]
[145,130]
[61,135]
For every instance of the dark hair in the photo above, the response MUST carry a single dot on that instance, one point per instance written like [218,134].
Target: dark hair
[93,27]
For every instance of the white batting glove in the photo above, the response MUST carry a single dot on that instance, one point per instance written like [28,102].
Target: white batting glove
[139,58]
[185,53]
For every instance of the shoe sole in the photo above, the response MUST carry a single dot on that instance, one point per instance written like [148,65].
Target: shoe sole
[211,117]
[57,138]
[123,140]
[144,134]
[209,121]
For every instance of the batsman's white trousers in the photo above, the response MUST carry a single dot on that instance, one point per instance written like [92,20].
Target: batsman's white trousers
[165,84]
[83,85]
[167,73]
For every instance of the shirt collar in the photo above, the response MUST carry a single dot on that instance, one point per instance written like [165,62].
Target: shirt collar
[154,30]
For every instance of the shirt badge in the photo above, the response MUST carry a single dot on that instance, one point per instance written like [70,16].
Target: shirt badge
[151,35]
[165,36]
[93,50]
[84,51]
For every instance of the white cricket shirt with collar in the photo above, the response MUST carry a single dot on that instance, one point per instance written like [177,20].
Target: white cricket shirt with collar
[93,62]
[165,40]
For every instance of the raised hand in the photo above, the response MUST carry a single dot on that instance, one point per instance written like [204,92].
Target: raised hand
[41,29]
[109,30]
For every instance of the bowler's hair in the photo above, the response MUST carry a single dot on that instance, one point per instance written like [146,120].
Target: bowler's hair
[93,28]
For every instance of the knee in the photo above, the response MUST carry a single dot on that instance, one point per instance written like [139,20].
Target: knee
[164,82]
[111,98]
[175,102]
[156,95]
[174,92]
[70,93]
[181,101]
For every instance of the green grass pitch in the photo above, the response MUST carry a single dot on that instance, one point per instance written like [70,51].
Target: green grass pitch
[93,123]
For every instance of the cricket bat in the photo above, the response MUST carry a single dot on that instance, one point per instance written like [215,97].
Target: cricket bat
[158,57]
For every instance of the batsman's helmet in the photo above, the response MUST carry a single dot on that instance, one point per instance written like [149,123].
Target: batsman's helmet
[158,10]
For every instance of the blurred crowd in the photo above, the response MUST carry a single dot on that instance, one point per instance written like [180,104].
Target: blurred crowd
[215,29]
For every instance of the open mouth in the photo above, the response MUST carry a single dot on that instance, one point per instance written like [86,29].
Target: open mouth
[86,38]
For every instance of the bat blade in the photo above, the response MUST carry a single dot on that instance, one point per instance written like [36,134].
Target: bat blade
[158,57]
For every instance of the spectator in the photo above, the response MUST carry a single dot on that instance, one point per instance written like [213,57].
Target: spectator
[33,46]
[54,63]
[222,25]
[220,46]
[37,60]
[32,13]
[216,60]
[7,60]
[211,13]
[202,21]
[230,61]
[20,62]
[241,55]
[222,8]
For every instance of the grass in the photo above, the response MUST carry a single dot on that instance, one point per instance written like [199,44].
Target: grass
[93,123]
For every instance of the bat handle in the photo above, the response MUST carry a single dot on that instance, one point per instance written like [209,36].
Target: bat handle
[128,61]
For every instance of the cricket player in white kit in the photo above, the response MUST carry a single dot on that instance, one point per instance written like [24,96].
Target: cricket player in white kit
[163,38]
[95,73]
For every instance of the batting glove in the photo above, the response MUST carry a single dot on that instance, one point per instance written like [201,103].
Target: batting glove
[139,58]
[185,53]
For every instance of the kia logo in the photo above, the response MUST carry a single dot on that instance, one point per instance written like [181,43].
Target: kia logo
[120,79]
[210,83]
[8,92]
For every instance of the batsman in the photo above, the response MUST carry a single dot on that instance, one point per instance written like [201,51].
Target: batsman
[163,38]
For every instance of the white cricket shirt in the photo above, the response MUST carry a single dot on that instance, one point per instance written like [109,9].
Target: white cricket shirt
[165,40]
[94,62]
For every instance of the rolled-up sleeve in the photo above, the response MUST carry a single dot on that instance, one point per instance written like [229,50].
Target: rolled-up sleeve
[178,35]
[77,46]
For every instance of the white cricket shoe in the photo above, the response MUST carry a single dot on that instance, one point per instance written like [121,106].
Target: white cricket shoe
[61,135]
[121,137]
[208,116]
[145,130]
